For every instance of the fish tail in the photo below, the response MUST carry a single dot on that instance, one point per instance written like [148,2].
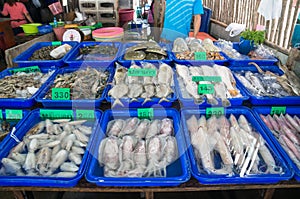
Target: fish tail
[163,100]
[134,100]
[146,100]
[213,101]
[226,102]
[117,102]
[199,100]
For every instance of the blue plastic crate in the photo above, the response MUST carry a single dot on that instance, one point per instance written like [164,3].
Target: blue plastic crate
[177,172]
[205,178]
[189,102]
[83,103]
[45,181]
[257,100]
[127,63]
[22,59]
[246,59]
[22,102]
[12,123]
[139,102]
[291,111]
[70,59]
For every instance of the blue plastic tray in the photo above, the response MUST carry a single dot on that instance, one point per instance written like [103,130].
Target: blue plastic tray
[42,181]
[13,123]
[139,103]
[177,172]
[257,100]
[189,102]
[197,62]
[21,102]
[291,111]
[234,179]
[22,59]
[127,63]
[246,60]
[72,56]
[87,103]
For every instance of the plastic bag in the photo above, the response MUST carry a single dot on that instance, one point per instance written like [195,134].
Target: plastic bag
[56,8]
[235,29]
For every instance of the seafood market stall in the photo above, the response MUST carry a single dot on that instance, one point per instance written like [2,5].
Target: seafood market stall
[148,117]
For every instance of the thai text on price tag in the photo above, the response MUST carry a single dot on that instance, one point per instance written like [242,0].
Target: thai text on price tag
[56,114]
[30,69]
[217,111]
[56,43]
[13,114]
[278,110]
[200,56]
[145,113]
[144,72]
[206,89]
[206,78]
[60,93]
[85,114]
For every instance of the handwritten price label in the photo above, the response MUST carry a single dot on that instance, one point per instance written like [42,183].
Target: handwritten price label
[60,93]
[13,114]
[143,72]
[207,78]
[200,56]
[145,113]
[217,111]
[278,110]
[56,43]
[85,114]
[30,69]
[206,89]
[56,114]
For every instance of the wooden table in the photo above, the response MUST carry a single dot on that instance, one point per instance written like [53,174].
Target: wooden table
[191,186]
[5,27]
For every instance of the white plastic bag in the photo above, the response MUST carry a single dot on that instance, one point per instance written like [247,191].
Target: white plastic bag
[235,29]
[270,9]
[60,51]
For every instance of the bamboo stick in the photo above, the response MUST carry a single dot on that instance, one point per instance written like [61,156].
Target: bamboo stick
[289,26]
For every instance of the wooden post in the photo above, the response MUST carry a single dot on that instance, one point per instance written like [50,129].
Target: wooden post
[149,195]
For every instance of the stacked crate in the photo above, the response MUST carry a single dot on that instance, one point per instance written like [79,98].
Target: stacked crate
[104,11]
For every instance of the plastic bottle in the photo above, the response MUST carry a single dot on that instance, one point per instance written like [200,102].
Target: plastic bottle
[55,22]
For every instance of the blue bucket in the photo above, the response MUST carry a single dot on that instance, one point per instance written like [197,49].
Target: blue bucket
[246,46]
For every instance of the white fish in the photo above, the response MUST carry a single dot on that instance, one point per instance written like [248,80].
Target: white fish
[117,92]
[69,166]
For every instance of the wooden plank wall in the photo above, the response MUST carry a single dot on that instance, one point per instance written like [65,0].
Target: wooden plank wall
[278,31]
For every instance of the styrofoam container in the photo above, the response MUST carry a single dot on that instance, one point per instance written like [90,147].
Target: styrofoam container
[291,111]
[44,181]
[98,59]
[23,58]
[177,172]
[205,178]
[258,100]
[127,63]
[87,103]
[24,102]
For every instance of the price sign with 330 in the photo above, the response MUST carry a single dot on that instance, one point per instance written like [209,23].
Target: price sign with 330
[60,93]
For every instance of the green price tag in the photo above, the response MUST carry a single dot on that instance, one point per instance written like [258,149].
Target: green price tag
[1,115]
[145,113]
[217,111]
[56,43]
[85,114]
[13,114]
[60,93]
[278,110]
[30,69]
[206,89]
[206,78]
[200,56]
[56,114]
[143,72]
